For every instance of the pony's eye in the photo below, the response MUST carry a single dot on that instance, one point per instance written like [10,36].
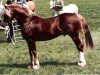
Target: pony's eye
[9,10]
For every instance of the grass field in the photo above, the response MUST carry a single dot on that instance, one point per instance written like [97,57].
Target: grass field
[58,56]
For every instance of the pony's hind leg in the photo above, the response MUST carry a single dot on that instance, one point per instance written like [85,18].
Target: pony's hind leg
[81,61]
[79,45]
[33,55]
[83,38]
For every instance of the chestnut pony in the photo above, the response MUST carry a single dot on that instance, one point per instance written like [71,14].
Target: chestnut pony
[34,28]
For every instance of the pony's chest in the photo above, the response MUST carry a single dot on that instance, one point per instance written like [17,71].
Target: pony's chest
[27,30]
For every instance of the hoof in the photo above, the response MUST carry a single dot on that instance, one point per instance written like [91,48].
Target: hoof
[81,64]
[34,67]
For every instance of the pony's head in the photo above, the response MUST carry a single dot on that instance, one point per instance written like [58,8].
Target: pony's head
[13,11]
[16,8]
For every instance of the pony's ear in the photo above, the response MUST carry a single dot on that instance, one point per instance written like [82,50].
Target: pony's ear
[8,12]
[6,5]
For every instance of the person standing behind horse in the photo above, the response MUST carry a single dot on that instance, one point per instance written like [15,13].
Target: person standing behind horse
[59,8]
[29,4]
[23,3]
[56,6]
[52,3]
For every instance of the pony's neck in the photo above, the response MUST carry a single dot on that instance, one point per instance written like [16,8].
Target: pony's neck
[21,17]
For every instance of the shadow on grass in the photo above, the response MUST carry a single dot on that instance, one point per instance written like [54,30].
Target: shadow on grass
[53,63]
[14,65]
[3,41]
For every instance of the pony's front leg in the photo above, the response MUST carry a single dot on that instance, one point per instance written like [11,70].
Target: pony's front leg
[33,55]
[81,61]
[79,46]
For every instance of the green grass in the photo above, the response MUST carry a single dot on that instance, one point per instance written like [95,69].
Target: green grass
[58,56]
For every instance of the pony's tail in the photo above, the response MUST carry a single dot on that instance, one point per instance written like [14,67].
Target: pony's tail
[88,37]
